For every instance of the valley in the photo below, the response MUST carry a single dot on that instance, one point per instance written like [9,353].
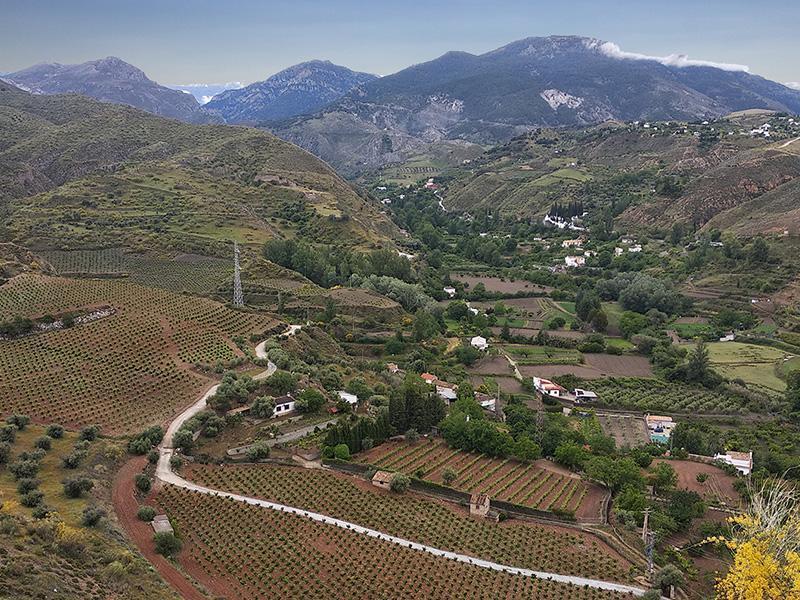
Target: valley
[530,334]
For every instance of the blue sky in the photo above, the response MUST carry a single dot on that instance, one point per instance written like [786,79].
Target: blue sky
[202,41]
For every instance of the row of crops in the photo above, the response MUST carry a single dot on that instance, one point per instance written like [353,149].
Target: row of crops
[243,551]
[502,479]
[646,394]
[190,273]
[123,372]
[529,545]
[543,355]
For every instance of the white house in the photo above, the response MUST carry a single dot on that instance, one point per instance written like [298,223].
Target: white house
[635,248]
[473,311]
[575,261]
[545,386]
[743,461]
[572,243]
[618,251]
[582,396]
[351,399]
[283,405]
[429,378]
[728,337]
[486,401]
[479,342]
[446,391]
[450,291]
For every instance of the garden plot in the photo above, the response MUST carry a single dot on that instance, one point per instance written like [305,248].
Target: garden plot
[532,485]
[655,395]
[595,366]
[246,552]
[717,487]
[416,518]
[123,372]
[627,430]
[753,364]
[499,284]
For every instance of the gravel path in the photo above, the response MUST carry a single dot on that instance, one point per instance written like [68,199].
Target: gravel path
[165,474]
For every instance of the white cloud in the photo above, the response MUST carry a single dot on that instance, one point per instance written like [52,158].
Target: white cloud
[795,85]
[673,60]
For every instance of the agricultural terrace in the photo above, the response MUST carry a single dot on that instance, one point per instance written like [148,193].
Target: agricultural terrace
[594,366]
[248,552]
[438,524]
[185,272]
[122,372]
[754,364]
[500,285]
[627,430]
[542,355]
[717,487]
[662,396]
[510,480]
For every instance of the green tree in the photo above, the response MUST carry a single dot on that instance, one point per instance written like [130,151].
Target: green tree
[663,477]
[399,483]
[167,544]
[570,455]
[282,382]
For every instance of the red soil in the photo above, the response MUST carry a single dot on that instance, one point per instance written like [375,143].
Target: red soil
[141,533]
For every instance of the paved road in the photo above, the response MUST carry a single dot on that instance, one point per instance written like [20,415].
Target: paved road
[164,473]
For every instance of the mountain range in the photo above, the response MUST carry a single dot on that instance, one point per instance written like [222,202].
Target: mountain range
[110,80]
[301,89]
[358,122]
[489,98]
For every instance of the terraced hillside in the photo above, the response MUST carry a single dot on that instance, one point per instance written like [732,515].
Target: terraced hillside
[80,174]
[132,368]
[723,176]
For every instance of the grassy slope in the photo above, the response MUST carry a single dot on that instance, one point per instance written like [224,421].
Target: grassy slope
[99,173]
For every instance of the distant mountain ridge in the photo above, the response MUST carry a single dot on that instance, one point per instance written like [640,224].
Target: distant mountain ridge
[548,81]
[300,89]
[110,79]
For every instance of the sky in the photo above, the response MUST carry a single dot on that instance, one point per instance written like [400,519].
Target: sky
[241,41]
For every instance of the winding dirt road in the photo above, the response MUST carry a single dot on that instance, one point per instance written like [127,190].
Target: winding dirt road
[165,474]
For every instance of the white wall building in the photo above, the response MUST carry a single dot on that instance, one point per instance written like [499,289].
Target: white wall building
[743,461]
[479,342]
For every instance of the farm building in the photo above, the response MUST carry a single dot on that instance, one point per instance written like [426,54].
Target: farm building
[161,524]
[486,401]
[479,505]
[446,391]
[743,461]
[576,243]
[283,405]
[575,261]
[392,368]
[382,479]
[660,427]
[450,291]
[351,399]
[547,387]
[583,396]
[429,378]
[479,342]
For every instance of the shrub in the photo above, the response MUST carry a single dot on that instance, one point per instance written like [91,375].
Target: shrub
[91,516]
[146,513]
[8,433]
[167,544]
[73,459]
[20,421]
[32,498]
[399,483]
[89,433]
[45,442]
[175,462]
[701,477]
[27,484]
[258,451]
[341,451]
[75,488]
[55,431]
[5,452]
[449,476]
[143,483]
[40,512]
[152,457]
[22,468]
